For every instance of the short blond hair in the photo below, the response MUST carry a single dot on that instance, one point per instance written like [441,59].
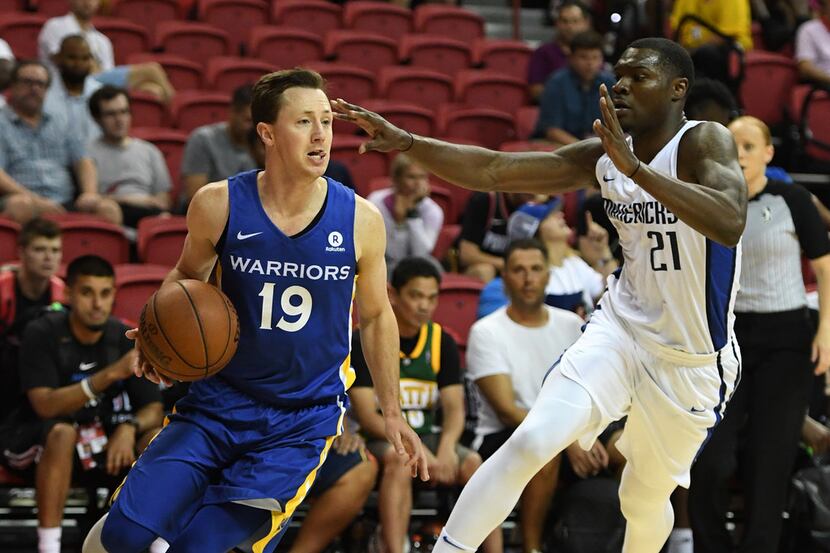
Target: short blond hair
[755,122]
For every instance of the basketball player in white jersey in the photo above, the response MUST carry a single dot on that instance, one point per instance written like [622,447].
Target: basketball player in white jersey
[660,346]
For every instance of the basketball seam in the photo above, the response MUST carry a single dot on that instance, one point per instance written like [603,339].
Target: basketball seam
[201,328]
[228,313]
[166,339]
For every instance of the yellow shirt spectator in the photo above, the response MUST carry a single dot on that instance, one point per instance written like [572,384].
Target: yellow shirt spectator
[731,17]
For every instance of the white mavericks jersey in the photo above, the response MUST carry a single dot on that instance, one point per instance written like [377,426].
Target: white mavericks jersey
[676,290]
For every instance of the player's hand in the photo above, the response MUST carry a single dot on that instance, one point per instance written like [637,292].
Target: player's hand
[816,436]
[142,367]
[123,368]
[121,449]
[587,463]
[821,349]
[407,443]
[46,206]
[612,135]
[88,201]
[385,136]
[447,466]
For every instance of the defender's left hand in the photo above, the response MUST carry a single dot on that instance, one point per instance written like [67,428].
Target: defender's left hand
[613,138]
[821,349]
[407,443]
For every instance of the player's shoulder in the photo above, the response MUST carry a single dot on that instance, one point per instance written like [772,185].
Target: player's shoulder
[209,206]
[366,212]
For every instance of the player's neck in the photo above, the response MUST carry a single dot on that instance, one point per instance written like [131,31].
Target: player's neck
[558,250]
[31,286]
[287,195]
[757,185]
[82,333]
[649,142]
[83,23]
[530,316]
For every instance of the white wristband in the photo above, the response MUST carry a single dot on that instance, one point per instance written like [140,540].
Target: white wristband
[87,389]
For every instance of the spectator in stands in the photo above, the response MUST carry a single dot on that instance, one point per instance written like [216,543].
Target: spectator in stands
[40,155]
[148,77]
[430,376]
[413,219]
[131,171]
[340,490]
[508,355]
[6,66]
[71,88]
[571,17]
[217,151]
[772,324]
[570,100]
[779,20]
[710,52]
[76,369]
[483,238]
[573,284]
[24,291]
[812,46]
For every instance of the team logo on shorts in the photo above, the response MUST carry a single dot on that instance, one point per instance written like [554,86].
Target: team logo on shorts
[335,242]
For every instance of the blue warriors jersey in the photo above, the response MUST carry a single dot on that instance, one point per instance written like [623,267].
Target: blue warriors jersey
[293,297]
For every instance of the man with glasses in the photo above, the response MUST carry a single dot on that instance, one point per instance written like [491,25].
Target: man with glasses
[131,171]
[40,155]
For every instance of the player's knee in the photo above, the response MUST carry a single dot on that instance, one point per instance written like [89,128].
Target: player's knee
[469,466]
[121,535]
[530,446]
[20,208]
[645,501]
[110,210]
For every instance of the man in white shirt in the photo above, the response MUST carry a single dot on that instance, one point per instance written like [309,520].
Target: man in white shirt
[6,66]
[509,352]
[149,77]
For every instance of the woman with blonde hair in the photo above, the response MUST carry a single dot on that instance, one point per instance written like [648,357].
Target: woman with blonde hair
[781,352]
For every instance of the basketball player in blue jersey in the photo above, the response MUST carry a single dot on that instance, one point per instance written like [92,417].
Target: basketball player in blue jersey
[659,347]
[243,447]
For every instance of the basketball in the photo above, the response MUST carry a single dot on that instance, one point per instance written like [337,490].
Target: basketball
[188,330]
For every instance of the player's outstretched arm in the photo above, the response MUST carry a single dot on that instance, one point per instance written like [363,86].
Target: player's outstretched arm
[379,334]
[476,168]
[709,194]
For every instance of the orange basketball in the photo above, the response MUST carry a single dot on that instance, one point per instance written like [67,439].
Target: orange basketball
[188,330]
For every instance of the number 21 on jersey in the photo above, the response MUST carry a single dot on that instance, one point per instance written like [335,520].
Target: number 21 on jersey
[302,311]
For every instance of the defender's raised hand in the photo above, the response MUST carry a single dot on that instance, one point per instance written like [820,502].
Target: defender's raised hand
[384,135]
[613,138]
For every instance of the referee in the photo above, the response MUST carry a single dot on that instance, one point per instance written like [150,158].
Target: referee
[774,331]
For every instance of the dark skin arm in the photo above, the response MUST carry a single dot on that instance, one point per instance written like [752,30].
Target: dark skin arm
[709,194]
[569,168]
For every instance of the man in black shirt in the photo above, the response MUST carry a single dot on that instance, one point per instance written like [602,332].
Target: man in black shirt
[430,376]
[76,369]
[484,237]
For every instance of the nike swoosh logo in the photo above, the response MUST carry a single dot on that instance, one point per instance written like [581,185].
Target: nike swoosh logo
[606,179]
[447,541]
[87,366]
[694,410]
[240,236]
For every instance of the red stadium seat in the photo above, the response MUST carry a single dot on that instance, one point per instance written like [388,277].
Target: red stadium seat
[21,30]
[815,124]
[768,81]
[160,239]
[88,236]
[226,74]
[493,90]
[50,8]
[9,231]
[171,143]
[183,73]
[194,108]
[319,15]
[195,41]
[449,21]
[127,37]
[446,238]
[457,305]
[237,17]
[363,167]
[147,13]
[489,126]
[353,84]
[377,17]
[416,119]
[148,110]
[284,46]
[134,284]
[12,6]
[362,49]
[510,57]
[526,117]
[439,53]
[443,198]
[415,85]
